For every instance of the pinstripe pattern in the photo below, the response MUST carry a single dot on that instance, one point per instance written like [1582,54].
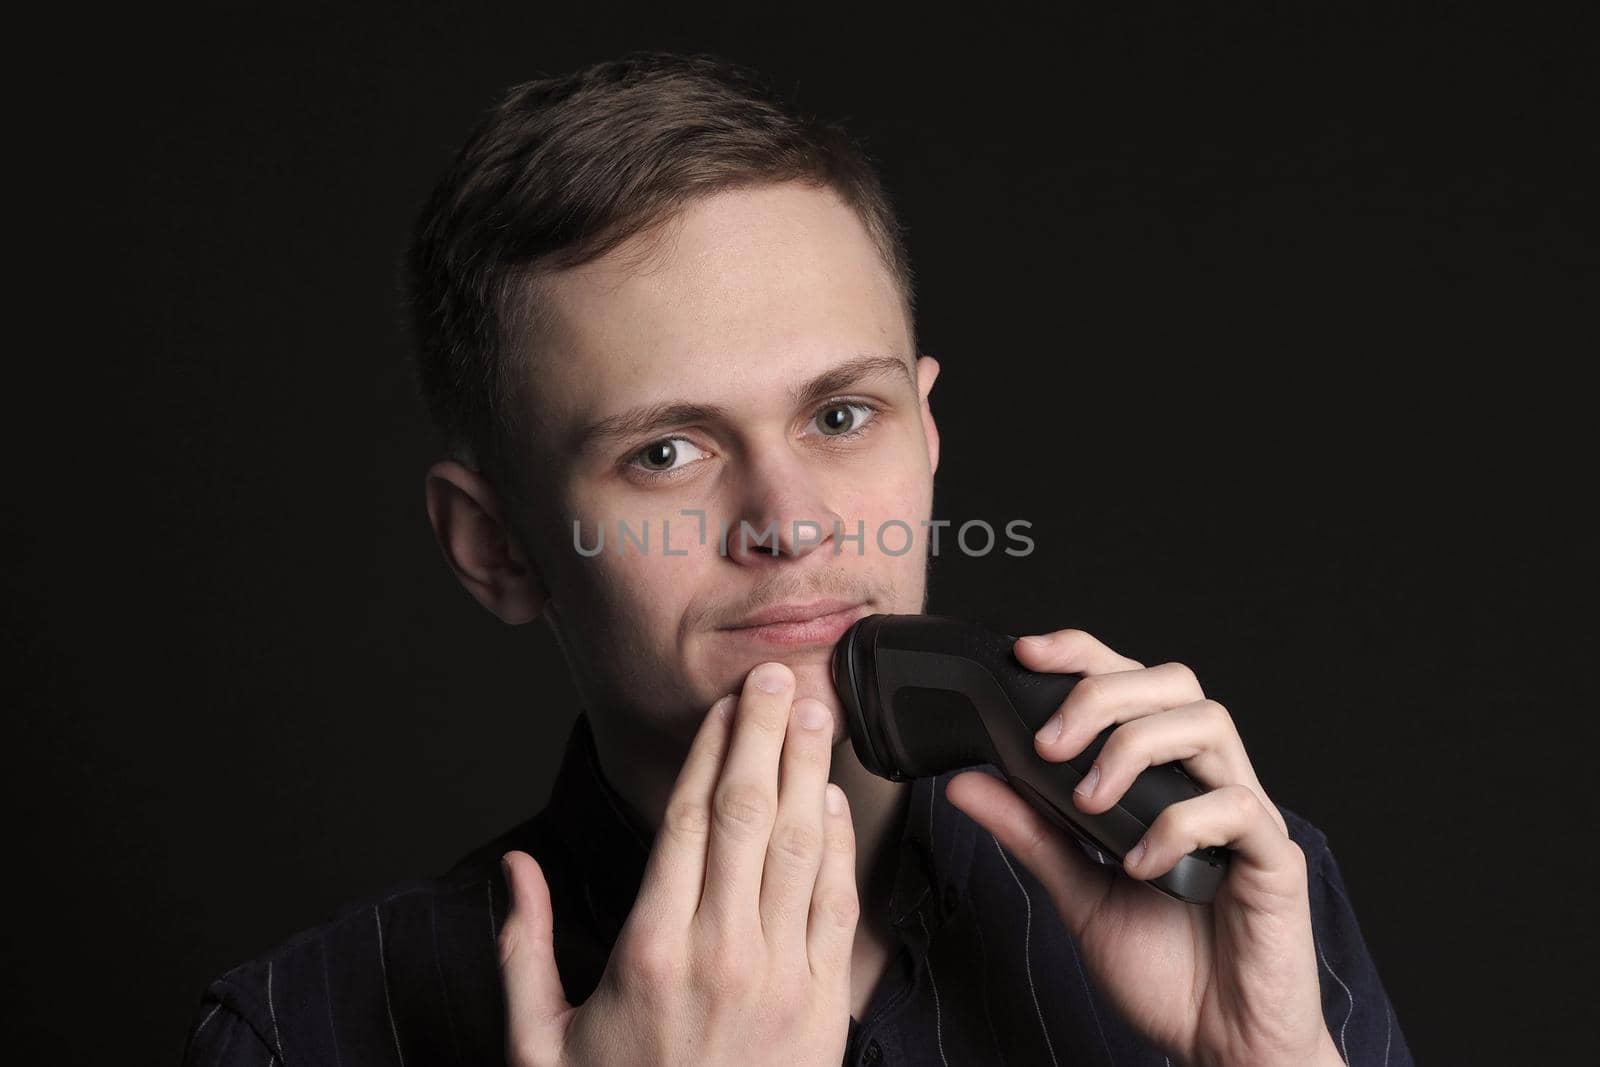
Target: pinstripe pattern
[983,990]
[327,994]
[1027,948]
[1010,985]
[212,1014]
[1345,1022]
[277,1041]
[938,1020]
[444,982]
[388,1003]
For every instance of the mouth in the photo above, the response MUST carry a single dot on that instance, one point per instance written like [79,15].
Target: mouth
[797,625]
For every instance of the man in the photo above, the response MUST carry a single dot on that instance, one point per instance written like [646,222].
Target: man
[649,296]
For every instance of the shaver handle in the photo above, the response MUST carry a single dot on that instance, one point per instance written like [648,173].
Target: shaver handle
[954,695]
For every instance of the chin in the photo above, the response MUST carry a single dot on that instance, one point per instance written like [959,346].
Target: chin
[815,679]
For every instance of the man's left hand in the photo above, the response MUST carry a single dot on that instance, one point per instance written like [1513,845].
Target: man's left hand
[1232,982]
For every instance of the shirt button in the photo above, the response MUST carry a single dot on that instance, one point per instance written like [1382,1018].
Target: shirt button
[950,899]
[873,1054]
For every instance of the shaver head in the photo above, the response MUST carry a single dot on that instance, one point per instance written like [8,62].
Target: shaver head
[855,680]
[908,685]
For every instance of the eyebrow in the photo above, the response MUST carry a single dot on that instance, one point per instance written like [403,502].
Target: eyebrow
[636,422]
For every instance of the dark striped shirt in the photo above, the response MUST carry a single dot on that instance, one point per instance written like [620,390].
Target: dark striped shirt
[986,972]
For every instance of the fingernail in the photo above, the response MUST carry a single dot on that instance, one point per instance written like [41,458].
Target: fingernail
[505,866]
[833,797]
[771,677]
[812,715]
[1051,731]
[1136,857]
[1090,780]
[1032,641]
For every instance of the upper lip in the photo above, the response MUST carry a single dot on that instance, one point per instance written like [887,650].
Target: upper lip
[793,613]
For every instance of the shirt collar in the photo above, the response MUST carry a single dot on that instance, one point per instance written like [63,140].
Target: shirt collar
[612,845]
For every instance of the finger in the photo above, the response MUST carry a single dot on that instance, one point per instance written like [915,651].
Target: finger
[1232,816]
[745,802]
[1075,883]
[1202,736]
[835,905]
[536,1006]
[674,875]
[794,851]
[1070,652]
[1101,700]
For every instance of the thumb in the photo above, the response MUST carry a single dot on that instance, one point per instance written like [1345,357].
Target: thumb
[1075,882]
[536,1005]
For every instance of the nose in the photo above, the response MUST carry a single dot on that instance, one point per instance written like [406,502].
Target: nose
[782,511]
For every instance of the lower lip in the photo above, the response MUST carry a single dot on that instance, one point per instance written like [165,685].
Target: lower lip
[824,629]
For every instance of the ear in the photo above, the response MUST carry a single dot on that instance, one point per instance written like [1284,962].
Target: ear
[927,371]
[480,544]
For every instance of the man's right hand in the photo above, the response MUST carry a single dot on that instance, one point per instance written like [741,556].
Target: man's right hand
[739,942]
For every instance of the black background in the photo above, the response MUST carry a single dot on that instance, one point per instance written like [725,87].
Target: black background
[1276,327]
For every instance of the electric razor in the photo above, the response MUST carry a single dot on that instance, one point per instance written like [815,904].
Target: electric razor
[925,694]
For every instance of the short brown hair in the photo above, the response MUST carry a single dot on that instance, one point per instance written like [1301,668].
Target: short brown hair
[565,169]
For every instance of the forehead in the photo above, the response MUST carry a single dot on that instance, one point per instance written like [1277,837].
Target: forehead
[738,297]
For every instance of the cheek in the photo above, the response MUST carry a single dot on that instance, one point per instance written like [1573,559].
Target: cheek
[649,571]
[897,502]
[895,497]
[630,615]
[656,572]
[901,483]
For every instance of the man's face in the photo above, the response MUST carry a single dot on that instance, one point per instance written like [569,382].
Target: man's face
[738,305]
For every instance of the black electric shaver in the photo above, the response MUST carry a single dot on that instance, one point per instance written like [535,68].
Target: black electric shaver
[925,694]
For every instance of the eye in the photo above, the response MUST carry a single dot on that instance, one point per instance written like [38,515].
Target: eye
[838,419]
[663,456]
